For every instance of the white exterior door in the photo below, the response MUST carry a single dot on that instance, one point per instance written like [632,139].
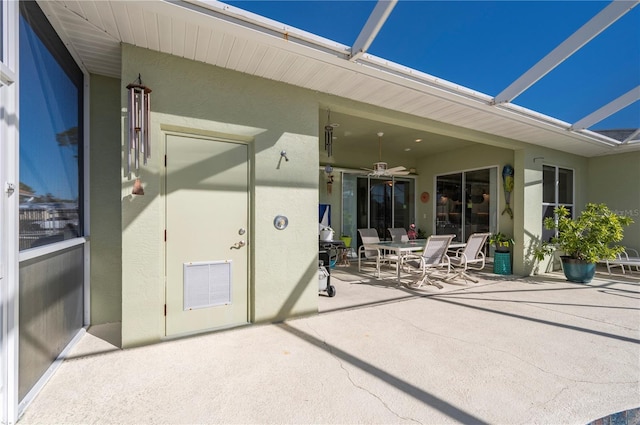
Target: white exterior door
[207,204]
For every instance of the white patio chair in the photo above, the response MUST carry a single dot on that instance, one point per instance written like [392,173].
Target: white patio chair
[370,236]
[624,259]
[398,234]
[433,258]
[470,257]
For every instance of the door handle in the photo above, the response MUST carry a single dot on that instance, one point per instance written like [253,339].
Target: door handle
[238,245]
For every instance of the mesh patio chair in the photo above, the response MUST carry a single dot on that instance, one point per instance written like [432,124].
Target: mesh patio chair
[398,234]
[367,254]
[434,258]
[470,257]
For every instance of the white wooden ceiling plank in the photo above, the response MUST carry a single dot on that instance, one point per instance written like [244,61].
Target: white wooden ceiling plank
[213,49]
[282,70]
[107,19]
[162,33]
[202,43]
[236,54]
[190,41]
[408,101]
[266,67]
[155,31]
[346,84]
[325,79]
[121,17]
[89,11]
[178,31]
[294,71]
[441,113]
[305,72]
[75,7]
[224,52]
[136,23]
[256,59]
[278,66]
[424,104]
[246,56]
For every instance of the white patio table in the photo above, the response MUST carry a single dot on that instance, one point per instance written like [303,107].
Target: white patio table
[404,248]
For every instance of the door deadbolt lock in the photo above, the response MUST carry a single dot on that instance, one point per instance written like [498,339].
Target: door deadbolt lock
[242,231]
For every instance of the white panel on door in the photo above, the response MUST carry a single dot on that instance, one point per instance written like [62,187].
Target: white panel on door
[207,284]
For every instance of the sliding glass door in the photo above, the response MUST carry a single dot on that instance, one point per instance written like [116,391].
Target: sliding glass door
[380,203]
[466,203]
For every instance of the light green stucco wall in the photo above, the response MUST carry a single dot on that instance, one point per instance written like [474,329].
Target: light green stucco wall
[528,188]
[615,180]
[270,117]
[105,239]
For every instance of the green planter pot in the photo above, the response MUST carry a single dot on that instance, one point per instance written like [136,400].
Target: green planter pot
[578,271]
[346,240]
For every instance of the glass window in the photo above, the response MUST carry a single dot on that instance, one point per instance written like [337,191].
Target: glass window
[449,203]
[50,134]
[557,189]
[548,184]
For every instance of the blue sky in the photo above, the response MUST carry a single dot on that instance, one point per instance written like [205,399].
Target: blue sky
[486,45]
[48,106]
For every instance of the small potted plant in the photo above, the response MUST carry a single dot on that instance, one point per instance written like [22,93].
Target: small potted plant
[347,240]
[501,242]
[584,240]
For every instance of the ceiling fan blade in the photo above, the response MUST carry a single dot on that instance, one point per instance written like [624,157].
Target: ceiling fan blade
[399,173]
[398,168]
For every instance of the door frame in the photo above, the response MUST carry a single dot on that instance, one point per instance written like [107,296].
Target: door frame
[170,130]
[9,246]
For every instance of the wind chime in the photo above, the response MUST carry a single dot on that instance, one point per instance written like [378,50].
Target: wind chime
[328,135]
[138,144]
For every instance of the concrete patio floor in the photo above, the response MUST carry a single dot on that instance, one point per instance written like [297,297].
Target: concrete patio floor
[506,350]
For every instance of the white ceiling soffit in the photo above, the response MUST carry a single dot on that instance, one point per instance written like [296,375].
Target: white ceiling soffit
[221,35]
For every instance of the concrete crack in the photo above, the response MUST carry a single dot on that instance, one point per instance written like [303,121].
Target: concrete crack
[329,348]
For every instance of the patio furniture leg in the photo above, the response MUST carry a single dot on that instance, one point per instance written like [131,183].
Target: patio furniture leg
[463,275]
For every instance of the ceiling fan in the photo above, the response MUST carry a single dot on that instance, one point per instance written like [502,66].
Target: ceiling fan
[381,169]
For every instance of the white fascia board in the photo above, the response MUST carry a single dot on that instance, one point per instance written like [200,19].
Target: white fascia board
[582,36]
[607,110]
[373,25]
[263,25]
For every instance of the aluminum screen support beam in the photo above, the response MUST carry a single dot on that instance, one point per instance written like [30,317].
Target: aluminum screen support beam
[370,30]
[633,138]
[607,16]
[610,108]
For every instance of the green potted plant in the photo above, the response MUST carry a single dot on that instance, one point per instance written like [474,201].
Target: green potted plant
[501,242]
[347,240]
[502,253]
[584,240]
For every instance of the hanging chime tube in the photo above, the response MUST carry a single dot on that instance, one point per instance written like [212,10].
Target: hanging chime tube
[328,139]
[139,120]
